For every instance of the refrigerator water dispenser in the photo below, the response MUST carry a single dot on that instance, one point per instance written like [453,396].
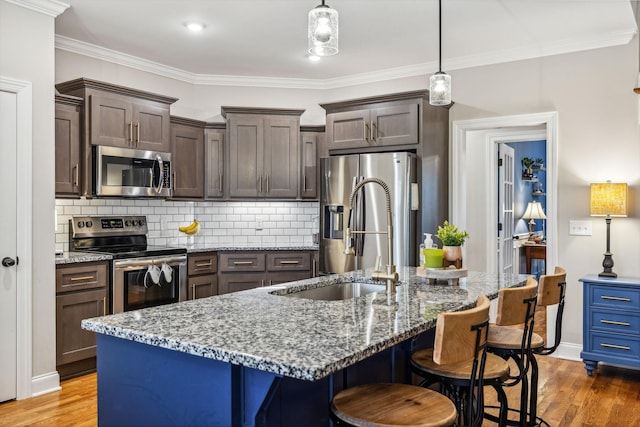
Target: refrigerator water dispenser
[333,217]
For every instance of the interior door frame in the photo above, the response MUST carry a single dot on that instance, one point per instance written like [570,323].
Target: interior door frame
[24,140]
[458,176]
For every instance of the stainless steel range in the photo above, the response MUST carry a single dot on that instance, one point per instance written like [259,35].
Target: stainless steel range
[141,275]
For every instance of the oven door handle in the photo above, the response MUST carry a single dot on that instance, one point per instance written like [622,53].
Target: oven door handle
[138,263]
[158,189]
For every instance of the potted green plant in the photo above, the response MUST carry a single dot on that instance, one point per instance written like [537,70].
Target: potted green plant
[452,240]
[527,171]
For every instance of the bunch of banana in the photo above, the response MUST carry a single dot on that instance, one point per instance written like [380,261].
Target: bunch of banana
[191,228]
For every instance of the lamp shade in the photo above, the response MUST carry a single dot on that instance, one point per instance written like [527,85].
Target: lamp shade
[534,211]
[608,199]
[323,31]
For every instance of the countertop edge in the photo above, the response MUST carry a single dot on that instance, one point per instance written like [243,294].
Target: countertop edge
[287,366]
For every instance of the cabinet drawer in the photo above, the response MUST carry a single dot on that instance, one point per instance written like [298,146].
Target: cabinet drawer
[81,276]
[615,345]
[245,261]
[615,297]
[206,263]
[615,321]
[288,261]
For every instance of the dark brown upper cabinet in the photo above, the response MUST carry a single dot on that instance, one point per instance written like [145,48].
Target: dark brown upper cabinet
[187,158]
[311,143]
[371,124]
[214,143]
[118,116]
[262,159]
[67,139]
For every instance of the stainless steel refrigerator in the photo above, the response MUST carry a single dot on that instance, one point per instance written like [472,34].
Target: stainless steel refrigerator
[339,175]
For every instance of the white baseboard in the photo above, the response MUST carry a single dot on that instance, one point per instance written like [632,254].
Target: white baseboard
[46,383]
[569,351]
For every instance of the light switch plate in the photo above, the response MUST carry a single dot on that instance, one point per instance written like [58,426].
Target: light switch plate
[259,222]
[580,228]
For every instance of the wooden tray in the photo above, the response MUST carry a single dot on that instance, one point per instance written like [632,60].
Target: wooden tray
[449,274]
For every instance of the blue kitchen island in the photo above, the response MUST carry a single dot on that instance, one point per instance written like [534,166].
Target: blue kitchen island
[261,358]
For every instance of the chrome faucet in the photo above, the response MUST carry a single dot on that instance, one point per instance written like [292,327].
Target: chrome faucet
[389,275]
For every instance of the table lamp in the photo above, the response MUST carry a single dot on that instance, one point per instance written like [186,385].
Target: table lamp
[608,199]
[534,211]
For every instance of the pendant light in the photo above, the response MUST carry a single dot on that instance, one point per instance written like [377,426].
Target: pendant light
[440,82]
[323,31]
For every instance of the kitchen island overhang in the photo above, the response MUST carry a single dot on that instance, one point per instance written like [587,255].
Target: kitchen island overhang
[255,358]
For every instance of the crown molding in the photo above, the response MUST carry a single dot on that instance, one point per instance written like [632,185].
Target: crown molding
[537,51]
[422,69]
[48,7]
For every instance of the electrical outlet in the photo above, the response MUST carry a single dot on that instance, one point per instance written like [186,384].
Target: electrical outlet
[580,228]
[259,222]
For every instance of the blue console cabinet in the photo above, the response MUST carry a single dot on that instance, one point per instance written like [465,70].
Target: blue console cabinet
[611,322]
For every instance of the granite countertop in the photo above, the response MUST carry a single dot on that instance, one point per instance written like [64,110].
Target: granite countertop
[75,257]
[300,338]
[209,248]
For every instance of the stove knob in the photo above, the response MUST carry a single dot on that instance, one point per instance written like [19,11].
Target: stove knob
[89,224]
[80,224]
[141,222]
[134,223]
[127,223]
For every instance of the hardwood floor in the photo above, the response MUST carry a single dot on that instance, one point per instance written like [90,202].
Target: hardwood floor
[568,397]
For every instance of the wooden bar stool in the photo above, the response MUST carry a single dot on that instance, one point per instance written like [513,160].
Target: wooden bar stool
[512,337]
[551,291]
[460,336]
[454,379]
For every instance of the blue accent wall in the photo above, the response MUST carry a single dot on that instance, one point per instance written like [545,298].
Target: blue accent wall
[523,189]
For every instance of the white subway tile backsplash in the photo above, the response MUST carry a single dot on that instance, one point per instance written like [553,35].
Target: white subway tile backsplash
[221,223]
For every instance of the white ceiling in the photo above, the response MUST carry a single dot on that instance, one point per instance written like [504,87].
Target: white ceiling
[263,42]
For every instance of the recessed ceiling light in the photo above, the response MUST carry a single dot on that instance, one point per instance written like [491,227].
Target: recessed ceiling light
[194,26]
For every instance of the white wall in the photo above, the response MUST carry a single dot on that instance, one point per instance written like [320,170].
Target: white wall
[27,46]
[598,131]
[598,140]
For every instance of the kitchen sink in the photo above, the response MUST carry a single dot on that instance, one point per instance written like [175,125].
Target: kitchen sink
[338,291]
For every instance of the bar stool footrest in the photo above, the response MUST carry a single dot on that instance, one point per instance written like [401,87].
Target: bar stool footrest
[540,422]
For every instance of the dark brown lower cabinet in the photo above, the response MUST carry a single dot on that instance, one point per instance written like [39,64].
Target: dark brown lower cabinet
[240,271]
[234,282]
[203,286]
[202,279]
[81,293]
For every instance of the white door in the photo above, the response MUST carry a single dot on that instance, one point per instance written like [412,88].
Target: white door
[505,208]
[8,247]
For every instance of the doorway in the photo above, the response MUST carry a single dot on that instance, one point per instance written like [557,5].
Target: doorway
[474,189]
[15,253]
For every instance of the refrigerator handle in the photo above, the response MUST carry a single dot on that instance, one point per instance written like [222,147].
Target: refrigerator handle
[360,203]
[351,239]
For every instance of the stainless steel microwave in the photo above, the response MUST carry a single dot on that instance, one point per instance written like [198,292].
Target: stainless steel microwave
[128,172]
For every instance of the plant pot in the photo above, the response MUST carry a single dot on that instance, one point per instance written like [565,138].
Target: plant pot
[452,253]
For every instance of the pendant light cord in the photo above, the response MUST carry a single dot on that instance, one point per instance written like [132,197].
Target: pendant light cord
[439,36]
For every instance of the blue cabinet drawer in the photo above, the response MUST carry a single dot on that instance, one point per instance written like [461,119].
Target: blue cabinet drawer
[616,346]
[615,321]
[615,297]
